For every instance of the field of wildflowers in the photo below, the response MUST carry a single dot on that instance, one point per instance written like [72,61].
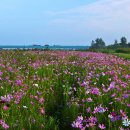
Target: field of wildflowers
[64,90]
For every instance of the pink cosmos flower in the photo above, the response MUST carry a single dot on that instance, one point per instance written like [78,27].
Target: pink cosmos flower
[123,114]
[18,82]
[41,100]
[36,97]
[4,125]
[10,68]
[92,119]
[78,123]
[95,110]
[32,103]
[1,73]
[42,111]
[7,98]
[95,91]
[89,100]
[99,109]
[88,110]
[5,108]
[39,93]
[102,126]
[112,85]
[91,124]
[128,105]
[114,117]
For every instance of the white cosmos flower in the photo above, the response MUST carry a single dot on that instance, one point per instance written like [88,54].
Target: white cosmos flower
[126,122]
[25,107]
[36,85]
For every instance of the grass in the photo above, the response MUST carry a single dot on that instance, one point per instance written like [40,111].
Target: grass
[120,52]
[122,55]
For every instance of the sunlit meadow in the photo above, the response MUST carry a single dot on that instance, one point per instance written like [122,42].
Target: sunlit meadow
[64,90]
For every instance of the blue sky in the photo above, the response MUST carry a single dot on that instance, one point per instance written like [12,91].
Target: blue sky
[63,22]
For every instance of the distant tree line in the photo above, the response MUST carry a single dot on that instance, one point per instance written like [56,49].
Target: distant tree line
[100,44]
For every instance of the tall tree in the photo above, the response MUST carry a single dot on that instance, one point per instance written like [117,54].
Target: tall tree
[123,42]
[98,43]
[116,42]
[129,44]
[93,44]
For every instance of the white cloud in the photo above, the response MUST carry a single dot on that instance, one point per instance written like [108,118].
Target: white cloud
[106,18]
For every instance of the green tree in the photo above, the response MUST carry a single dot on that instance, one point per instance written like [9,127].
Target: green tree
[98,43]
[129,44]
[123,42]
[93,44]
[116,42]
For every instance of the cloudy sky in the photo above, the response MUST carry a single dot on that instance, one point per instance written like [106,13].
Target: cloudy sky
[63,22]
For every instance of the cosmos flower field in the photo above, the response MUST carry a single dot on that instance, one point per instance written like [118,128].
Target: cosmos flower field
[64,90]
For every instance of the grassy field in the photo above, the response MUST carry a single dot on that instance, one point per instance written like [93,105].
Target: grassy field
[123,55]
[120,52]
[64,90]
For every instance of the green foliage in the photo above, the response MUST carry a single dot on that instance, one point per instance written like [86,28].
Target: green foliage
[98,43]
[123,50]
[123,55]
[105,50]
[123,42]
